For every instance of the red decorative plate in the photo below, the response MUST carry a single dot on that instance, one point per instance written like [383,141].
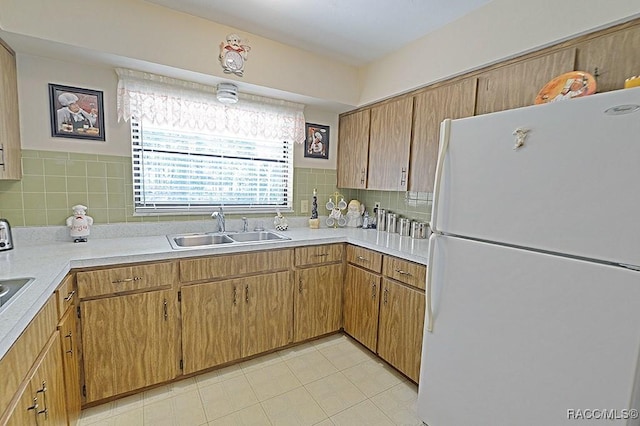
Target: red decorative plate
[566,86]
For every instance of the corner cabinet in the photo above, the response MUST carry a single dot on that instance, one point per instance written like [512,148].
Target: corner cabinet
[456,100]
[353,150]
[389,145]
[129,328]
[362,295]
[10,154]
[318,291]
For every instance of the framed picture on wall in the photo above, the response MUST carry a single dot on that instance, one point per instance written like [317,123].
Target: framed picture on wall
[76,113]
[316,144]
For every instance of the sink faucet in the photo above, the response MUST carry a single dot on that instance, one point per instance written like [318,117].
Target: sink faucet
[220,216]
[245,224]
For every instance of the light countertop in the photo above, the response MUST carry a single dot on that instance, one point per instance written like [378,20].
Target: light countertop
[48,262]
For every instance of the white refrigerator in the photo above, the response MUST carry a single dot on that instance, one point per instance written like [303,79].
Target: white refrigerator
[533,287]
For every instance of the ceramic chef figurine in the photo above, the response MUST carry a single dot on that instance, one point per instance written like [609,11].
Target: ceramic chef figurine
[354,213]
[79,224]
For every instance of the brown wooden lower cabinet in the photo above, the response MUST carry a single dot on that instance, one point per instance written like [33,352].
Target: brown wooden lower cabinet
[129,342]
[318,301]
[68,327]
[231,319]
[361,301]
[401,325]
[42,398]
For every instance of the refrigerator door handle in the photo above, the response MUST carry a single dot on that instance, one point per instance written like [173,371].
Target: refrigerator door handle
[429,312]
[445,130]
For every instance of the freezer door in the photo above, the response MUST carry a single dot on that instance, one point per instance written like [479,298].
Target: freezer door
[572,187]
[523,338]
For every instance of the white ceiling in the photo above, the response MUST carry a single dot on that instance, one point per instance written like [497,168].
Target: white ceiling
[352,31]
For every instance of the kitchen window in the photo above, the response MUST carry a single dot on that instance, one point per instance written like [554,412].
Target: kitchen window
[192,154]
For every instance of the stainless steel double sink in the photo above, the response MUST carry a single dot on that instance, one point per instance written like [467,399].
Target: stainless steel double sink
[203,240]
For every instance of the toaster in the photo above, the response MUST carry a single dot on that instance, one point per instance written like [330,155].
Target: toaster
[6,240]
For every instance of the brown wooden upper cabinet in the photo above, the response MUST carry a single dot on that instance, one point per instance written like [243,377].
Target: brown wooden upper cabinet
[10,154]
[615,55]
[353,150]
[516,85]
[389,145]
[454,100]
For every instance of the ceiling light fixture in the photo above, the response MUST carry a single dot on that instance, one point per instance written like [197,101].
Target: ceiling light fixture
[227,93]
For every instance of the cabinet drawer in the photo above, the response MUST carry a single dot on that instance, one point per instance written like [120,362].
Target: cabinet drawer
[404,271]
[129,278]
[365,258]
[65,294]
[314,255]
[219,267]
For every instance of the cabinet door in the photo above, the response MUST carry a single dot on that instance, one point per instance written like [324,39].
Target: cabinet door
[211,324]
[268,312]
[389,145]
[48,382]
[318,301]
[615,56]
[401,326]
[42,399]
[353,150]
[360,309]
[25,411]
[10,156]
[516,85]
[453,101]
[129,342]
[70,362]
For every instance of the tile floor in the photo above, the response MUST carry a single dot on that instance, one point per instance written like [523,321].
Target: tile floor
[331,381]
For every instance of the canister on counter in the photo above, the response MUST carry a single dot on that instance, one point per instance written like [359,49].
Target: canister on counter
[391,222]
[381,219]
[419,230]
[404,226]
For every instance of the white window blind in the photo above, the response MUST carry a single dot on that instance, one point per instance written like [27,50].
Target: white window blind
[191,154]
[180,171]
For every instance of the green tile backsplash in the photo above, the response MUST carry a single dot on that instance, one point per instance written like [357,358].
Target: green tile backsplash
[53,182]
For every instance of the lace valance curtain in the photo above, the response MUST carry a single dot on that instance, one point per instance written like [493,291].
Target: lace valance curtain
[165,100]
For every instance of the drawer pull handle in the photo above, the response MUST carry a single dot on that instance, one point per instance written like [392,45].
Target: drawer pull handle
[69,336]
[166,313]
[70,295]
[401,272]
[362,259]
[322,255]
[126,280]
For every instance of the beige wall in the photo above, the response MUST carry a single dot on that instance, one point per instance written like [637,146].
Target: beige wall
[160,37]
[499,30]
[34,75]
[156,35]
